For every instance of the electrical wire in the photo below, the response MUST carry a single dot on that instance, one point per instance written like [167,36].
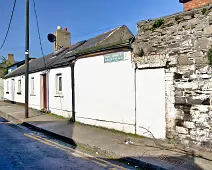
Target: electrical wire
[88,33]
[78,35]
[41,47]
[8,29]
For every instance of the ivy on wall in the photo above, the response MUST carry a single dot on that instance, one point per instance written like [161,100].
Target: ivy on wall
[210,56]
[157,23]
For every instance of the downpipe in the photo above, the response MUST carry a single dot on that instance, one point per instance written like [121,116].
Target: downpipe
[135,100]
[72,64]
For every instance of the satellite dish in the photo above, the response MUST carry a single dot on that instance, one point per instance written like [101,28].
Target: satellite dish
[51,38]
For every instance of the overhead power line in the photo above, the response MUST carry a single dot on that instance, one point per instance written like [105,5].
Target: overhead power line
[8,29]
[41,47]
[88,33]
[78,35]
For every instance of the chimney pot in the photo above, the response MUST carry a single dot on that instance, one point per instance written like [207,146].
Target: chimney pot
[192,4]
[59,27]
[66,29]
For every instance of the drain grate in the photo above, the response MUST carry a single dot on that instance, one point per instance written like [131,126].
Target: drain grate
[171,159]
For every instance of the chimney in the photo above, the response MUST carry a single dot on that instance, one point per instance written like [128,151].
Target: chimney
[193,4]
[11,59]
[63,38]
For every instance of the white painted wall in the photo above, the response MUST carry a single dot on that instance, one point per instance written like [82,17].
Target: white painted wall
[34,99]
[6,96]
[1,89]
[8,90]
[105,93]
[150,102]
[60,104]
[13,96]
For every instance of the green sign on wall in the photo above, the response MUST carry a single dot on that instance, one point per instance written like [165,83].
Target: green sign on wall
[115,57]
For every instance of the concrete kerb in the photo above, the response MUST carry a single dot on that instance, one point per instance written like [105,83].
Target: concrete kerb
[10,118]
[101,151]
[51,134]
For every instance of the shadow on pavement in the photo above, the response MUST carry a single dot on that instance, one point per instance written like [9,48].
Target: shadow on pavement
[54,129]
[161,162]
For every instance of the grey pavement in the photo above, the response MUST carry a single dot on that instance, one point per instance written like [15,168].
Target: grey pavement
[111,143]
[18,151]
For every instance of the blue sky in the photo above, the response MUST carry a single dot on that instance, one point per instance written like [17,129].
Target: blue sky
[79,16]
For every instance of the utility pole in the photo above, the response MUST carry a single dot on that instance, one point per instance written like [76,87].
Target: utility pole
[27,62]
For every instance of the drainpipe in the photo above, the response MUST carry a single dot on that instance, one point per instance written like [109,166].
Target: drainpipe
[73,90]
[135,86]
[47,74]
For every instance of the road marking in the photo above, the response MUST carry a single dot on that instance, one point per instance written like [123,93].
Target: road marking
[59,147]
[76,152]
[47,143]
[6,123]
[77,155]
[87,155]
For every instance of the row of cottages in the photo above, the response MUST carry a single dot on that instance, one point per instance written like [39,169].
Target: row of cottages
[164,86]
[107,91]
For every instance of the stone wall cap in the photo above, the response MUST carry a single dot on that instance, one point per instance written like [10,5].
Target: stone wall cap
[184,13]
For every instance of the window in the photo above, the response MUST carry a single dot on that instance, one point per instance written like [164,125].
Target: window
[7,92]
[32,85]
[60,83]
[59,87]
[19,87]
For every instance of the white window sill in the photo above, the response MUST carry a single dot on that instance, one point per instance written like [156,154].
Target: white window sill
[59,95]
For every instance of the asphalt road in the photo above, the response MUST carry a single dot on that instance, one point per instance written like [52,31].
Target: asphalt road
[21,148]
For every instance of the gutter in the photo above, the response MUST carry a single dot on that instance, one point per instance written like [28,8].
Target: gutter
[106,48]
[126,43]
[80,53]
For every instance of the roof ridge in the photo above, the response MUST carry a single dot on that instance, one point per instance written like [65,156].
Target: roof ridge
[113,30]
[18,68]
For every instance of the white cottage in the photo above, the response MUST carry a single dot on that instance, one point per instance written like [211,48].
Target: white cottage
[101,71]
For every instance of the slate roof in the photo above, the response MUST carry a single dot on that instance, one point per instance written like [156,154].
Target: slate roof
[19,63]
[116,38]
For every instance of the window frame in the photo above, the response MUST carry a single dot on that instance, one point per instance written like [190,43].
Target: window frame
[32,85]
[19,87]
[59,83]
[7,91]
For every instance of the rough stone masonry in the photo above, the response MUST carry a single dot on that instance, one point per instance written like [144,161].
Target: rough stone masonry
[180,43]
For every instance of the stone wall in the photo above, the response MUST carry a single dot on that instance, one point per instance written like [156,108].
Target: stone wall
[180,44]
